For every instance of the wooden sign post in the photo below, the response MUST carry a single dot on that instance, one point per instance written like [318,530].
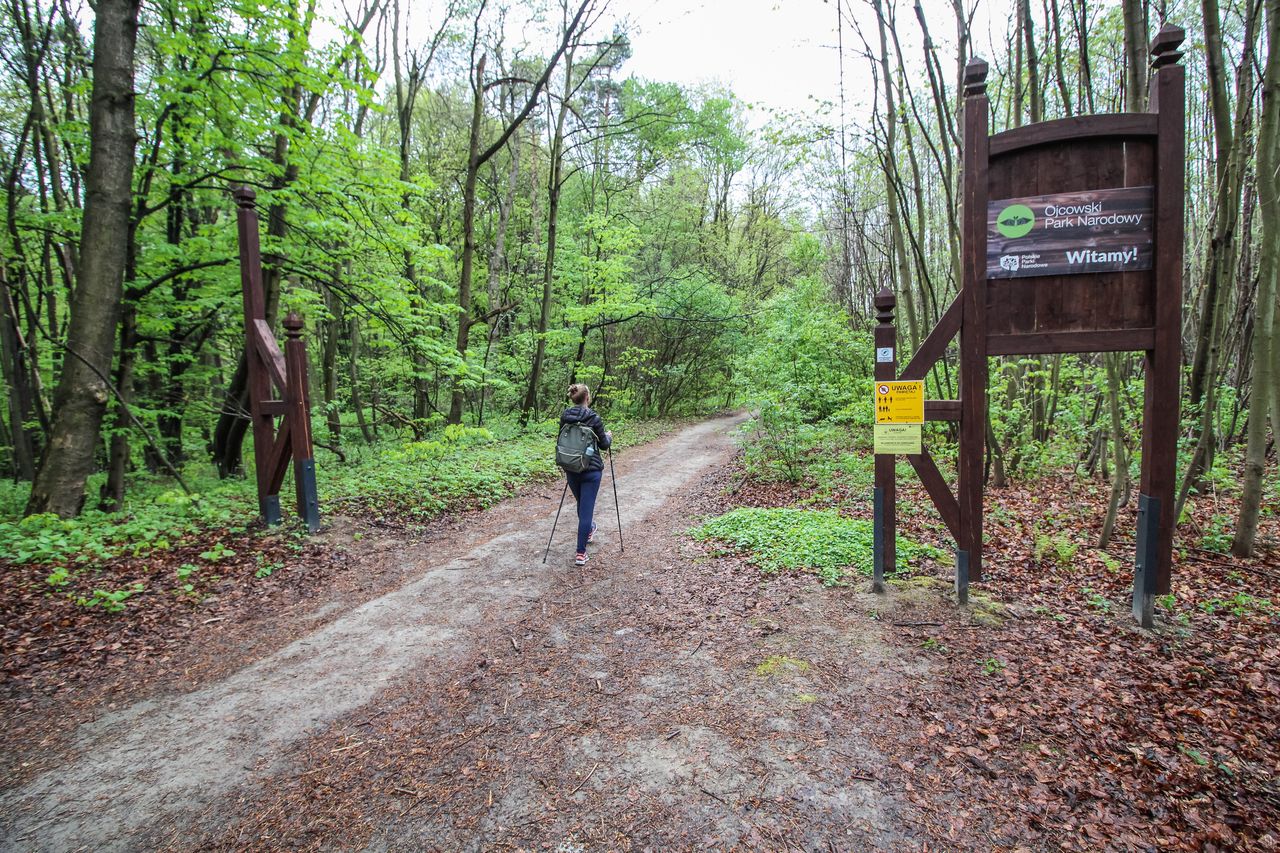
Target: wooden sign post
[1072,242]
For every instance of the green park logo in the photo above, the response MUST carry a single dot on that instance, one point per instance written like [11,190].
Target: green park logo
[1016,220]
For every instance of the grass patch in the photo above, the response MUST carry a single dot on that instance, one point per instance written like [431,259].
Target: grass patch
[781,665]
[820,541]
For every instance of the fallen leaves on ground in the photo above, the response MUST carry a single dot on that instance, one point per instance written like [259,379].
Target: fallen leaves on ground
[1055,721]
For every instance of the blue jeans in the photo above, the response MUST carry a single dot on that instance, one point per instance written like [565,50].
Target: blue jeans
[585,487]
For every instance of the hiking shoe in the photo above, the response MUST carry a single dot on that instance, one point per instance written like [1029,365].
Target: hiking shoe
[580,559]
[591,537]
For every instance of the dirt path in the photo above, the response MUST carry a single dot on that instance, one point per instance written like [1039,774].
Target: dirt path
[494,701]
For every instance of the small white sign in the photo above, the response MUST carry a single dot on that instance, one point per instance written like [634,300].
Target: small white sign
[884,354]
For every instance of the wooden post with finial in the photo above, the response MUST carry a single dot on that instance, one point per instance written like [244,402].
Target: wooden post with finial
[298,413]
[885,531]
[1156,500]
[973,328]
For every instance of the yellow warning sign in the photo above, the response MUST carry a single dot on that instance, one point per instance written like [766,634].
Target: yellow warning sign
[898,438]
[900,402]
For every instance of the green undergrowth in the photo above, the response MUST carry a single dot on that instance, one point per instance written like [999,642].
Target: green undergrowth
[455,467]
[158,517]
[460,466]
[834,457]
[821,541]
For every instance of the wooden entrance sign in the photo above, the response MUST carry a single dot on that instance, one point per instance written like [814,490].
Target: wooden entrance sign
[1072,242]
[270,370]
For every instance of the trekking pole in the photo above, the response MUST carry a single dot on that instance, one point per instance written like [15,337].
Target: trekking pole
[557,521]
[613,477]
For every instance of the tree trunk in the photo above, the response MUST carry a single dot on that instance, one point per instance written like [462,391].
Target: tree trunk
[408,82]
[1064,92]
[891,181]
[468,241]
[1228,174]
[1232,142]
[1036,100]
[16,377]
[995,460]
[1265,351]
[111,497]
[530,407]
[81,398]
[1120,484]
[1136,38]
[1080,21]
[353,371]
[498,263]
[329,363]
[475,159]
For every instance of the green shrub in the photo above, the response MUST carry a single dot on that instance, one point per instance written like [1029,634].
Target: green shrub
[457,466]
[808,358]
[780,445]
[819,541]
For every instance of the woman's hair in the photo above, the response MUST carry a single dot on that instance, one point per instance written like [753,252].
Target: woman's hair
[579,394]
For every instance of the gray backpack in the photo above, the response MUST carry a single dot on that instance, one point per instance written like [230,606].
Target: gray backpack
[576,447]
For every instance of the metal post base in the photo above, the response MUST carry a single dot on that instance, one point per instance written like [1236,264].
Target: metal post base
[270,509]
[962,577]
[309,507]
[1144,577]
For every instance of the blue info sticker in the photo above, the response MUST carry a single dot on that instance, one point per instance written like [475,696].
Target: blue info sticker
[884,353]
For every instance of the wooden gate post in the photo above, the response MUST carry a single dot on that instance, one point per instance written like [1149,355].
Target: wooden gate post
[973,329]
[885,535]
[298,411]
[1153,560]
[270,370]
[259,381]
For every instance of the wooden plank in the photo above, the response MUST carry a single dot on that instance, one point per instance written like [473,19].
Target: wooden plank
[1000,296]
[269,351]
[280,452]
[1110,168]
[1005,179]
[936,487]
[1048,343]
[275,408]
[942,410]
[1075,128]
[1012,305]
[1132,302]
[935,343]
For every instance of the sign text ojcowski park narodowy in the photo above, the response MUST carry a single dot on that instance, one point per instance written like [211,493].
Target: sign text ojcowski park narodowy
[1068,233]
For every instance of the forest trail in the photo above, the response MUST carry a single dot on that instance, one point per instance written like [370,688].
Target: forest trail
[208,768]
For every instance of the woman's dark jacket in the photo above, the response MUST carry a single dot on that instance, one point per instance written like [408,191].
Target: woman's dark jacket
[587,415]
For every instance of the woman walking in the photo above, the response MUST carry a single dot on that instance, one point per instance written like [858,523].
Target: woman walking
[585,485]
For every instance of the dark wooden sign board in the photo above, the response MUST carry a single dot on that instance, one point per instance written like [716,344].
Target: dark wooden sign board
[1071,233]
[1132,165]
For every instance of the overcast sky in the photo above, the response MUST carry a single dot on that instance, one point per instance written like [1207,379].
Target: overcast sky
[779,54]
[775,54]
